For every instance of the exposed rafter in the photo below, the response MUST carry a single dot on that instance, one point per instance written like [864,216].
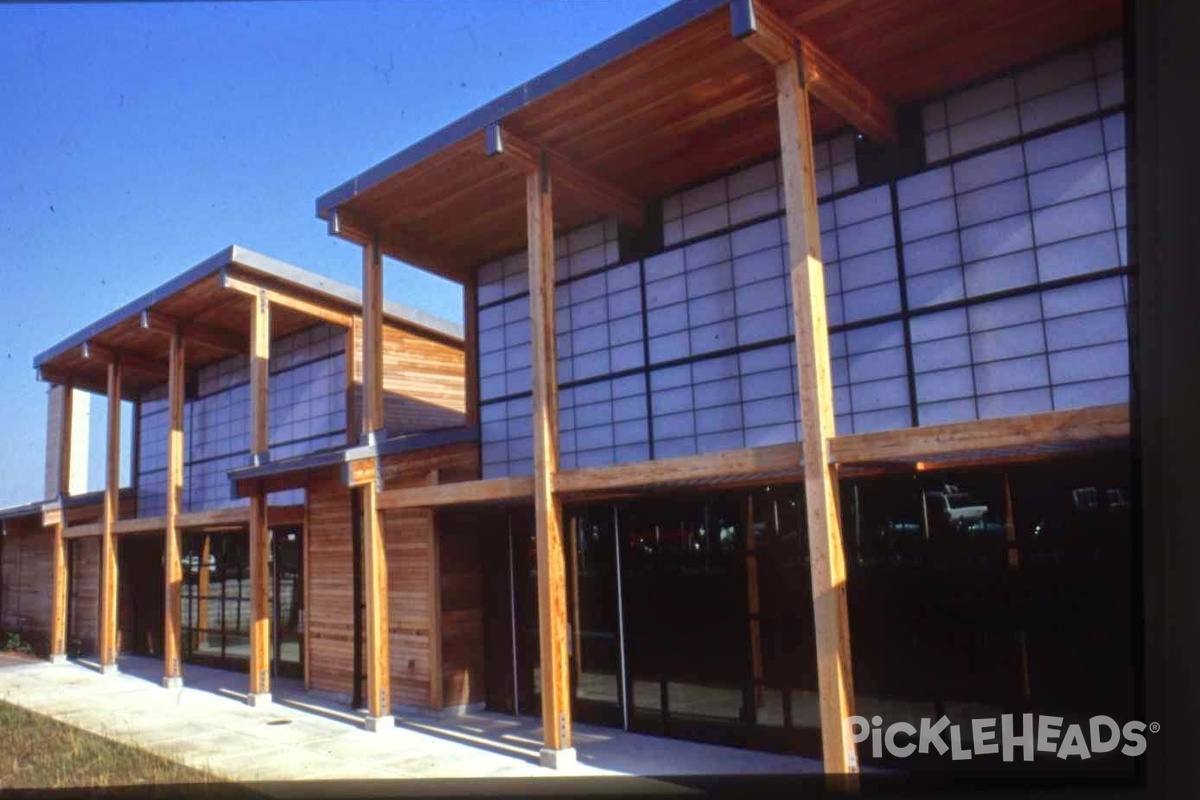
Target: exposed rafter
[525,156]
[206,335]
[774,39]
[286,300]
[102,354]
[397,241]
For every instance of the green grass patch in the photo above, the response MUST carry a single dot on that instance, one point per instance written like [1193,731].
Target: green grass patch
[38,752]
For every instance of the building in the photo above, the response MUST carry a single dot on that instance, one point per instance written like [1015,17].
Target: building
[680,502]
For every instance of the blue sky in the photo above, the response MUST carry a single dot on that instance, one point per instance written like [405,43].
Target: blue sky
[138,139]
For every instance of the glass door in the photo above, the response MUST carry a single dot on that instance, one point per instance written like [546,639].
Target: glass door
[594,640]
[288,601]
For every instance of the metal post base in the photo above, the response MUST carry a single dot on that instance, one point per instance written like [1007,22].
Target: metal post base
[172,682]
[557,759]
[379,724]
[108,669]
[58,658]
[259,700]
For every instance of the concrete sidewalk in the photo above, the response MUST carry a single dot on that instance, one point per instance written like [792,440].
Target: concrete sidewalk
[207,725]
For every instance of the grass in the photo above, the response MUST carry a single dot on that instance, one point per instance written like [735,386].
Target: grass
[37,752]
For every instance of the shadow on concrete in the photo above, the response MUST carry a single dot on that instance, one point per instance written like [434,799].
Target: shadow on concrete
[515,737]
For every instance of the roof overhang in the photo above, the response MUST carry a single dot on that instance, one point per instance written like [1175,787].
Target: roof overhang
[675,99]
[210,304]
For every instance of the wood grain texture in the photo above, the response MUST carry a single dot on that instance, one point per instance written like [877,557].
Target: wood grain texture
[828,567]
[26,567]
[108,545]
[172,537]
[696,103]
[460,568]
[424,381]
[84,580]
[260,607]
[329,604]
[375,617]
[551,566]
[372,338]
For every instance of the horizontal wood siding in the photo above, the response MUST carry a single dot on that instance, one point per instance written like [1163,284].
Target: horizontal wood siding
[407,540]
[25,580]
[424,387]
[329,608]
[84,578]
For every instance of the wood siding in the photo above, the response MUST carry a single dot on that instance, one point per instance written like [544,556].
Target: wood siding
[423,381]
[461,573]
[83,577]
[25,580]
[329,607]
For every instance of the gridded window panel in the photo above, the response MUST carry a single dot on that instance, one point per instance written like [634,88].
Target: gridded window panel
[604,422]
[504,349]
[860,263]
[1040,96]
[506,437]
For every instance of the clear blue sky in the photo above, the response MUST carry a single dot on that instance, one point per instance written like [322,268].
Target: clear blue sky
[138,139]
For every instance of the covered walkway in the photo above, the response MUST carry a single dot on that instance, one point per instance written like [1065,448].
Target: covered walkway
[207,725]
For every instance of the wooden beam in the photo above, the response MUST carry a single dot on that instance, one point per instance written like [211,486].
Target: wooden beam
[140,525]
[409,246]
[375,612]
[260,608]
[83,531]
[372,345]
[361,472]
[526,157]
[452,494]
[172,546]
[58,593]
[216,518]
[260,534]
[52,515]
[48,374]
[66,420]
[471,348]
[202,588]
[551,565]
[769,35]
[930,442]
[260,355]
[108,545]
[780,458]
[287,300]
[101,354]
[195,332]
[828,567]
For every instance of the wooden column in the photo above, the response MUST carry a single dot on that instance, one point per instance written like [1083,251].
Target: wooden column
[827,560]
[202,589]
[471,349]
[375,573]
[172,566]
[551,562]
[58,545]
[260,535]
[108,545]
[372,346]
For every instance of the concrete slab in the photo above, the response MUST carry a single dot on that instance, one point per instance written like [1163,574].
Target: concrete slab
[206,724]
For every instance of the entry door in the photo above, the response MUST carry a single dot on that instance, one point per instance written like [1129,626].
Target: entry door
[686,619]
[595,645]
[287,593]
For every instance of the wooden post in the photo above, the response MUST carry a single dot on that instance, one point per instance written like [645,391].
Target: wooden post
[202,588]
[372,346]
[172,565]
[374,554]
[58,545]
[828,566]
[108,546]
[260,535]
[551,563]
[471,349]
[437,678]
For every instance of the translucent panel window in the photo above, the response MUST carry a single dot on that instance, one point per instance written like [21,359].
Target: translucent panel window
[604,422]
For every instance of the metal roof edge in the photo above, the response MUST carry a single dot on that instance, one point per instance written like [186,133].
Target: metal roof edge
[619,44]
